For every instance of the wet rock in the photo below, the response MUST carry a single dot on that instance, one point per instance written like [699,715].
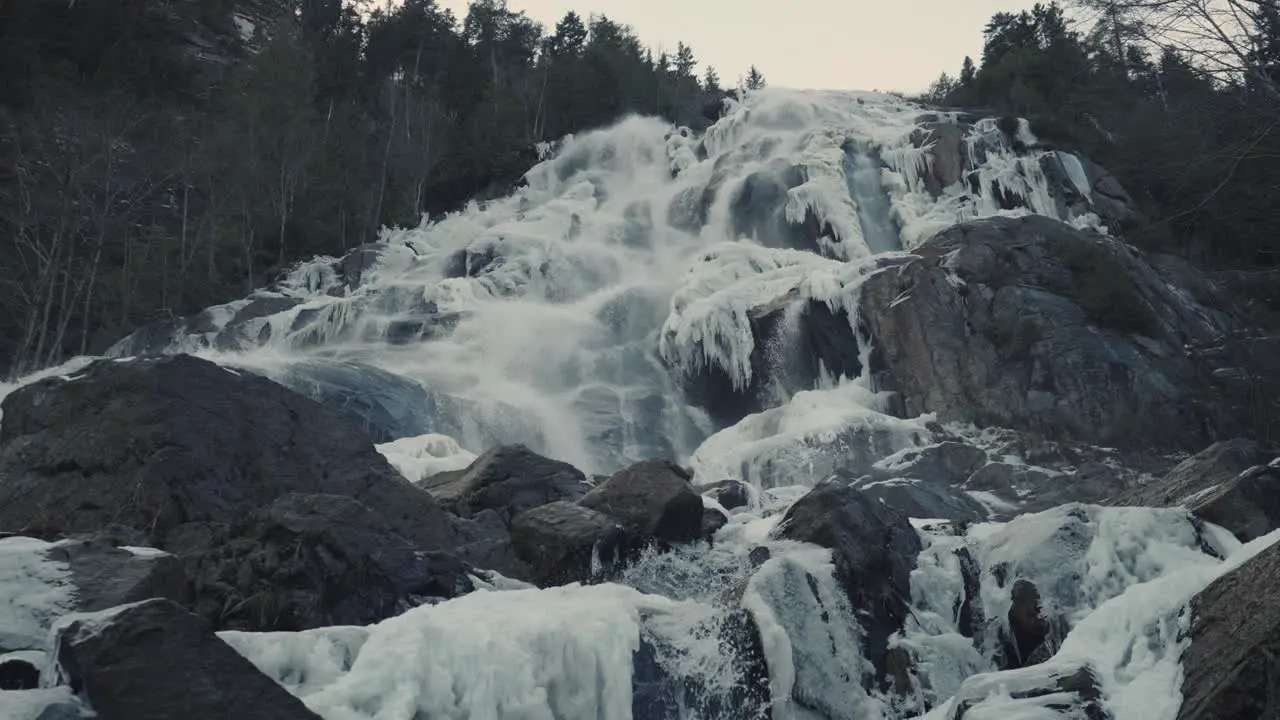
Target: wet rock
[563,543]
[385,405]
[484,540]
[949,152]
[1029,323]
[105,576]
[153,660]
[947,463]
[712,521]
[731,494]
[360,260]
[1029,629]
[241,332]
[1230,669]
[316,560]
[18,672]
[660,695]
[1069,692]
[509,480]
[653,500]
[969,611]
[874,549]
[1228,484]
[920,499]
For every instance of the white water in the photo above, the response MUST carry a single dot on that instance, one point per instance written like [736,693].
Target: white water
[620,268]
[590,294]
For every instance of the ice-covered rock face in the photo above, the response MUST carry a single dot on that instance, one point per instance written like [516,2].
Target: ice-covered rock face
[647,287]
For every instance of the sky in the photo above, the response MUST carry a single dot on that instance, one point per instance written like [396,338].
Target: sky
[814,44]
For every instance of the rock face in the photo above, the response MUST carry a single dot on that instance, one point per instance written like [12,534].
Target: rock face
[874,549]
[1229,484]
[1230,670]
[310,561]
[164,443]
[1028,323]
[155,660]
[565,543]
[653,500]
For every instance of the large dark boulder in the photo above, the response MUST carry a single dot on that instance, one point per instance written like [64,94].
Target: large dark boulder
[1029,323]
[653,500]
[874,548]
[155,661]
[310,561]
[564,542]
[509,480]
[167,445]
[1230,670]
[1229,484]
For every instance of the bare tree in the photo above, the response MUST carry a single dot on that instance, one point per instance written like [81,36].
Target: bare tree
[1220,36]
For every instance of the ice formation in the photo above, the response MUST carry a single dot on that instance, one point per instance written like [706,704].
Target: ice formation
[568,316]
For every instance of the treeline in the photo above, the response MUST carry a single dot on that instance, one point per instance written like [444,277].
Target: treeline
[1178,99]
[158,156]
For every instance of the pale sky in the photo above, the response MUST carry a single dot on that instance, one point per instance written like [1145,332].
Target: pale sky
[827,44]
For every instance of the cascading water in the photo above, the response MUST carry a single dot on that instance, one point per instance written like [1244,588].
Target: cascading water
[602,314]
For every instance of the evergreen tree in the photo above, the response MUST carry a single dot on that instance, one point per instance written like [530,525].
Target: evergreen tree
[710,80]
[755,79]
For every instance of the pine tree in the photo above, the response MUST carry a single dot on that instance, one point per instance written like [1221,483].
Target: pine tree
[967,72]
[755,79]
[685,62]
[710,80]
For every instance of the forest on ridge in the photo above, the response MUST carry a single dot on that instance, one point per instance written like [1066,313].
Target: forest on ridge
[159,156]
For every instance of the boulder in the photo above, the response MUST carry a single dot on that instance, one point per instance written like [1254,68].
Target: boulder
[874,549]
[19,671]
[565,543]
[509,480]
[653,500]
[177,445]
[1029,323]
[1230,668]
[309,561]
[154,660]
[1229,484]
[731,494]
